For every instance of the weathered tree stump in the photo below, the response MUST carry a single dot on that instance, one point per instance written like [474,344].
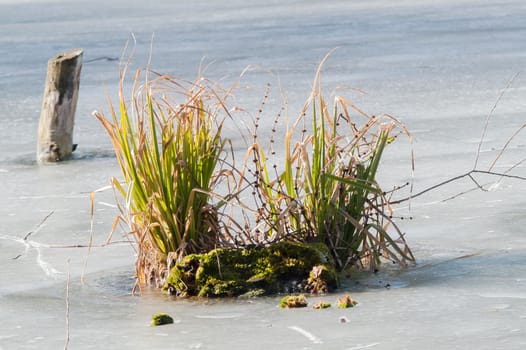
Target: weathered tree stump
[55,130]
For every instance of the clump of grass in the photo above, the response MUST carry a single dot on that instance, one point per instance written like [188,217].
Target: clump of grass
[168,144]
[172,157]
[327,190]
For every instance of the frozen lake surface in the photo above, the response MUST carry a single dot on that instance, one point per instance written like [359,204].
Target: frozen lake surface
[439,66]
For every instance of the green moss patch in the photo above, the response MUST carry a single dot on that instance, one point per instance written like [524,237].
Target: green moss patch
[346,302]
[293,301]
[161,319]
[285,267]
[321,305]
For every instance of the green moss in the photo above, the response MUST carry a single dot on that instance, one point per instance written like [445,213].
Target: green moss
[293,301]
[182,278]
[321,305]
[160,319]
[346,302]
[221,288]
[282,267]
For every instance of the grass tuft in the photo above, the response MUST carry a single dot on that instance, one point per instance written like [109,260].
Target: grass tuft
[168,144]
[175,161]
[327,191]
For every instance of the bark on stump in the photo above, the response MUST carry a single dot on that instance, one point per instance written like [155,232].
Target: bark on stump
[55,130]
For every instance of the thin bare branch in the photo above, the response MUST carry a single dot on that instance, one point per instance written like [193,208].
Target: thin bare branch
[506,146]
[459,177]
[488,117]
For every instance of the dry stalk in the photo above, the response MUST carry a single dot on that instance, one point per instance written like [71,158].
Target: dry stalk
[67,307]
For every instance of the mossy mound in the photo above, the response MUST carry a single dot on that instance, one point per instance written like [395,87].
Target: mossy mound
[321,305]
[287,267]
[293,301]
[160,319]
[346,302]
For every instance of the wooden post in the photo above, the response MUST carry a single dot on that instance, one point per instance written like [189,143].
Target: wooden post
[55,130]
